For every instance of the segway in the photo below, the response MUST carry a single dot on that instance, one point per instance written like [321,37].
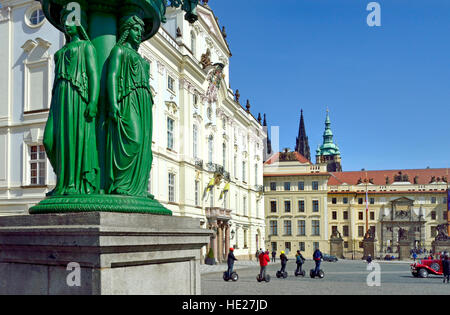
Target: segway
[300,273]
[283,274]
[266,279]
[234,276]
[313,274]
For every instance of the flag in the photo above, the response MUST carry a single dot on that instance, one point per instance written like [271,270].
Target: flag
[225,190]
[211,184]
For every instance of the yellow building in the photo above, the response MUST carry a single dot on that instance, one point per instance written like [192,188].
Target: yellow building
[413,201]
[296,204]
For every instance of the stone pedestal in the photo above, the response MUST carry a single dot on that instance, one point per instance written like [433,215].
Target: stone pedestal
[337,247]
[117,254]
[404,250]
[369,248]
[441,246]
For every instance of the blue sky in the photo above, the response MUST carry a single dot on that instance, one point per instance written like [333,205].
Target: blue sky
[387,88]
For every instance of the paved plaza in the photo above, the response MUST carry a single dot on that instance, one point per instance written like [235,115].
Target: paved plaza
[343,277]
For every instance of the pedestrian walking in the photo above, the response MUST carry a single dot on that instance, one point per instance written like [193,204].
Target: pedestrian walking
[414,256]
[274,256]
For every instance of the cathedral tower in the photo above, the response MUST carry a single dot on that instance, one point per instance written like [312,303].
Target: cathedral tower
[329,152]
[302,145]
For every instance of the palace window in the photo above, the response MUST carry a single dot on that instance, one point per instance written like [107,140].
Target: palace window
[315,206]
[433,215]
[315,185]
[372,201]
[301,246]
[301,185]
[210,148]
[273,206]
[273,186]
[224,156]
[244,205]
[372,215]
[244,170]
[287,206]
[287,186]
[334,215]
[433,199]
[171,187]
[334,201]
[345,200]
[360,215]
[287,246]
[195,141]
[37,165]
[360,231]
[171,83]
[287,228]
[345,215]
[170,129]
[197,193]
[273,228]
[315,228]
[345,231]
[301,206]
[301,227]
[360,201]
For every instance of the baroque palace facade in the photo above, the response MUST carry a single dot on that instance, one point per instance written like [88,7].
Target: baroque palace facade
[307,203]
[208,150]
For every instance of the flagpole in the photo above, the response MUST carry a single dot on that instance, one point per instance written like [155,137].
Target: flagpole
[367,206]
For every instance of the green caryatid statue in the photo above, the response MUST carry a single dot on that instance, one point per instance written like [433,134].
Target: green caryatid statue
[129,139]
[99,133]
[70,133]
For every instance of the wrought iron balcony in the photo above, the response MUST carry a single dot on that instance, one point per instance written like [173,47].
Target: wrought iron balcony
[199,163]
[215,168]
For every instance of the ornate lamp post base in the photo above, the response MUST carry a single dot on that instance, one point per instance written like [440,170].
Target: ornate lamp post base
[100,203]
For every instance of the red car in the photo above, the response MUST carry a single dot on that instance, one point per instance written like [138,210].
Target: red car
[425,267]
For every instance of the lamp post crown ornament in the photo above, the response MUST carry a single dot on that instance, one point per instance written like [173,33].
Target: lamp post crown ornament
[112,142]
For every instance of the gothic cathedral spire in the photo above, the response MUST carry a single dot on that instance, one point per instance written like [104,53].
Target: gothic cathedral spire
[302,145]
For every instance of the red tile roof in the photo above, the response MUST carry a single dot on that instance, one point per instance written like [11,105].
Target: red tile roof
[289,156]
[424,176]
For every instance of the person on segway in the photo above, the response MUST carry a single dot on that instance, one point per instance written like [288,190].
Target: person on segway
[317,256]
[230,262]
[299,259]
[284,261]
[264,260]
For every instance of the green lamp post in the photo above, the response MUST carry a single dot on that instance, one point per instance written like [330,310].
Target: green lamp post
[99,132]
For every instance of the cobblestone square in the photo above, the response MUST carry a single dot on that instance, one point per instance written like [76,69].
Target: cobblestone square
[343,277]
